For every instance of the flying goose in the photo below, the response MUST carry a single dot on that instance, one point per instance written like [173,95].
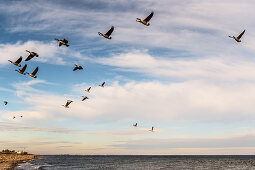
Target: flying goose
[31,55]
[16,63]
[135,125]
[22,71]
[152,128]
[13,117]
[84,98]
[21,116]
[62,42]
[238,39]
[88,90]
[67,103]
[146,20]
[34,73]
[102,85]
[77,67]
[5,102]
[108,34]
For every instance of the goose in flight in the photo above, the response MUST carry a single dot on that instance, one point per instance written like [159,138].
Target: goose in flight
[67,103]
[77,67]
[31,55]
[152,128]
[21,116]
[238,39]
[13,117]
[34,73]
[135,125]
[88,90]
[62,42]
[146,20]
[108,34]
[102,85]
[22,71]
[16,63]
[84,98]
[5,102]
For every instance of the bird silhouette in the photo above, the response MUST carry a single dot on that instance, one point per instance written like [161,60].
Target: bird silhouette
[16,62]
[88,90]
[22,71]
[152,129]
[102,85]
[135,125]
[34,73]
[108,34]
[84,98]
[67,103]
[62,42]
[77,67]
[31,55]
[5,102]
[238,39]
[146,20]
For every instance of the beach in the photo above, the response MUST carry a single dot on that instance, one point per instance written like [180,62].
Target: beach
[8,161]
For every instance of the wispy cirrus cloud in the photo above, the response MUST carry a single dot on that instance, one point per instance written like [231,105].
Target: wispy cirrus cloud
[179,25]
[208,68]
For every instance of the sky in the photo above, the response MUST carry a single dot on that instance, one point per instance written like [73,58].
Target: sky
[182,74]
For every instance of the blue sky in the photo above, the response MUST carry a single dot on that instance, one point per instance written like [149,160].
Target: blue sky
[182,75]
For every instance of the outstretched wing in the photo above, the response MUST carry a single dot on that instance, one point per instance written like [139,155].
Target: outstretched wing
[68,102]
[65,41]
[149,17]
[241,35]
[19,60]
[35,54]
[60,44]
[35,71]
[110,31]
[84,98]
[103,83]
[29,57]
[75,68]
[24,68]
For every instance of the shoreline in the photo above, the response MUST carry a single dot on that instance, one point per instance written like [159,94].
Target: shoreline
[10,161]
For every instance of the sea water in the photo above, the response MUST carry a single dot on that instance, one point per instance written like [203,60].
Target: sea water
[148,162]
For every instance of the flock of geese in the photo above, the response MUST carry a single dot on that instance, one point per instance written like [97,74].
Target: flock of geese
[64,42]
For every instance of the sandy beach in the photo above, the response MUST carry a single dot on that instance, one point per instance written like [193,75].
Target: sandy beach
[8,161]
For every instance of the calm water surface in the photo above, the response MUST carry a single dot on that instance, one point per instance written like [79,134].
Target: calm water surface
[63,162]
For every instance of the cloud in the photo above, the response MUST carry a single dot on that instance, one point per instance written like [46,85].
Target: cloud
[189,101]
[243,140]
[191,26]
[4,126]
[208,68]
[48,52]
[194,72]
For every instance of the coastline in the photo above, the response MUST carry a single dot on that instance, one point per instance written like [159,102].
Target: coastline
[9,161]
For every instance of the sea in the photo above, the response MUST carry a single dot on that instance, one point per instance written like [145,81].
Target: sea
[140,162]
